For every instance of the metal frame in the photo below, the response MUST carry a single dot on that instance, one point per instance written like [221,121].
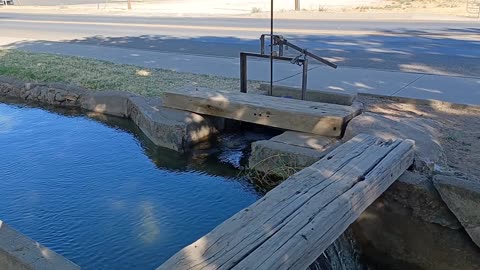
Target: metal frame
[6,2]
[282,44]
[244,70]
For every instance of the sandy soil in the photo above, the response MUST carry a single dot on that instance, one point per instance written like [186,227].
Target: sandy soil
[460,133]
[311,9]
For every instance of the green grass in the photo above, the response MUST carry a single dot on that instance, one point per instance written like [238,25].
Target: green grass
[102,75]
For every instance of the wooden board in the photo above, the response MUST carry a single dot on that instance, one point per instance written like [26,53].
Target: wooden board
[295,222]
[305,116]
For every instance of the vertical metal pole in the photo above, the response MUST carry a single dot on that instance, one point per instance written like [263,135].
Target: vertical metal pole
[262,44]
[297,5]
[304,79]
[243,73]
[270,91]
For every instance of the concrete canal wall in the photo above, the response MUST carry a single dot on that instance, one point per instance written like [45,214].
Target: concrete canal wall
[170,128]
[429,216]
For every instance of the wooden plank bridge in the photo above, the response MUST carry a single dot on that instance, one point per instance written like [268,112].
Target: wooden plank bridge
[295,222]
[292,114]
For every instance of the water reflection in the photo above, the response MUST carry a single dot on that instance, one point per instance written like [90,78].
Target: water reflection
[6,123]
[149,228]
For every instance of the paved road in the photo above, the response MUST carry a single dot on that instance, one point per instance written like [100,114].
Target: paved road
[432,47]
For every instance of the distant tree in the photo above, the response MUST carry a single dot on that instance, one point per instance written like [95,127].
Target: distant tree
[129,2]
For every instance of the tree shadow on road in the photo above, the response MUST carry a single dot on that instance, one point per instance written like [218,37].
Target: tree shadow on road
[453,51]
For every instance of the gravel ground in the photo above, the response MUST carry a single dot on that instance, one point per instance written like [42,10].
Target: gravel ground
[460,132]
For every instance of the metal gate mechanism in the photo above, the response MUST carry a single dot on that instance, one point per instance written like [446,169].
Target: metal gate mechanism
[281,44]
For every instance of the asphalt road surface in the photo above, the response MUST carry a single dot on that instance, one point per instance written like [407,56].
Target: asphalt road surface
[432,47]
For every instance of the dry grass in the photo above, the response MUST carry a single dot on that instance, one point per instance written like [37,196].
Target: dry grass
[271,171]
[424,6]
[101,75]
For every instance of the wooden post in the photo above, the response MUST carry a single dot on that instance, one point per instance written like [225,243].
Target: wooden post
[295,222]
[297,5]
[129,4]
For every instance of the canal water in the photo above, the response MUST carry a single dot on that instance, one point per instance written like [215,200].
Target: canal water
[95,190]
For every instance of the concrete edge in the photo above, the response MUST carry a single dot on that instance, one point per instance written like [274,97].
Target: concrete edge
[173,129]
[290,150]
[427,102]
[462,198]
[448,180]
[18,252]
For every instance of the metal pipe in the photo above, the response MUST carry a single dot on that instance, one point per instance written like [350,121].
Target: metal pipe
[304,79]
[244,67]
[295,47]
[262,44]
[243,72]
[281,42]
[282,58]
[270,91]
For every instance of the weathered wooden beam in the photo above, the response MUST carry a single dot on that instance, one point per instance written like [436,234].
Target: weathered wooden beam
[295,222]
[305,116]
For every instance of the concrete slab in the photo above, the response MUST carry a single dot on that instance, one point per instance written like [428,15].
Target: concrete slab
[463,198]
[18,252]
[353,80]
[415,191]
[170,128]
[457,90]
[280,159]
[289,152]
[305,140]
[428,149]
[108,102]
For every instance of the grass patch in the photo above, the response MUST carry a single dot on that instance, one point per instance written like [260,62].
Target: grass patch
[101,75]
[271,171]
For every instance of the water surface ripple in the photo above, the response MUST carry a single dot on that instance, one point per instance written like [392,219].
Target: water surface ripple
[103,198]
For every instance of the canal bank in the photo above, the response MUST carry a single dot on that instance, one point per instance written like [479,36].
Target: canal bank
[433,157]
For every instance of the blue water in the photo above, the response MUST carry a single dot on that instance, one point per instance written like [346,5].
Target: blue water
[99,193]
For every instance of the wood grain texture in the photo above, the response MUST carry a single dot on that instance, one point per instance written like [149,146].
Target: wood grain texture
[298,115]
[295,222]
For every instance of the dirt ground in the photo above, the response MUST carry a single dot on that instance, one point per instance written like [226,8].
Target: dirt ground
[310,9]
[460,132]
